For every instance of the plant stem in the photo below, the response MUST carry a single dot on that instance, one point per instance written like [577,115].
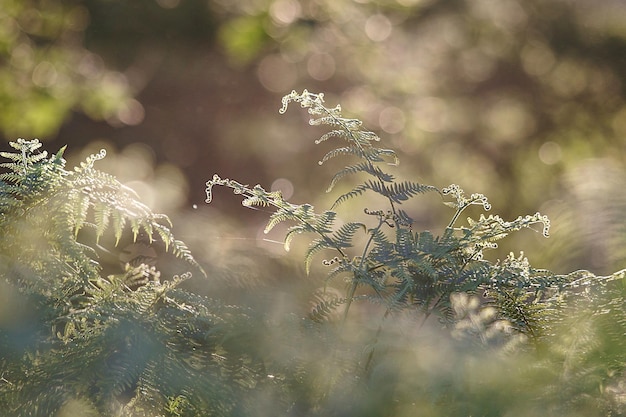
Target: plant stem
[349,298]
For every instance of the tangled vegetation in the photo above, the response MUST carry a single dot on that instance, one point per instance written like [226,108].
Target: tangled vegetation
[426,324]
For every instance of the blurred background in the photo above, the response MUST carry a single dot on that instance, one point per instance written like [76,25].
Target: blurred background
[521,100]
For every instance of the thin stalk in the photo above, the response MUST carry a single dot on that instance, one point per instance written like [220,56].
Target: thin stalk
[456,216]
[355,281]
[350,297]
[370,356]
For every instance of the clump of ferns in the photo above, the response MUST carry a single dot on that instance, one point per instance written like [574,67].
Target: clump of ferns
[43,210]
[399,267]
[136,336]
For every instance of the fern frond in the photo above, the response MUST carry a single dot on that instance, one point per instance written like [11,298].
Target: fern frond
[317,245]
[493,227]
[102,213]
[405,243]
[399,192]
[342,238]
[360,167]
[119,223]
[342,266]
[292,232]
[79,208]
[322,311]
[324,222]
[344,151]
[304,215]
[355,192]
[13,177]
[277,217]
[72,200]
[339,133]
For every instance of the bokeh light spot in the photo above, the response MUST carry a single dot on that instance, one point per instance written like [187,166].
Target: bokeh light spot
[285,186]
[285,12]
[430,114]
[276,75]
[550,153]
[90,66]
[114,83]
[569,78]
[22,56]
[476,65]
[508,120]
[171,188]
[44,75]
[136,161]
[131,113]
[78,18]
[146,193]
[321,66]
[391,120]
[507,15]
[537,58]
[378,27]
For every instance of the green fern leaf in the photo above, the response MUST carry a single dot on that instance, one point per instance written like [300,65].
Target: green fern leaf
[341,267]
[324,222]
[360,167]
[163,232]
[149,228]
[102,213]
[332,134]
[342,238]
[292,232]
[355,192]
[317,245]
[405,245]
[79,208]
[322,311]
[399,192]
[284,214]
[344,151]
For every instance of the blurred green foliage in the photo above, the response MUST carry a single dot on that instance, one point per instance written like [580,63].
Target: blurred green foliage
[47,72]
[524,98]
[420,338]
[243,38]
[518,96]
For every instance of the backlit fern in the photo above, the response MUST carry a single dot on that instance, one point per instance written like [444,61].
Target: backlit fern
[112,345]
[406,269]
[426,325]
[419,274]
